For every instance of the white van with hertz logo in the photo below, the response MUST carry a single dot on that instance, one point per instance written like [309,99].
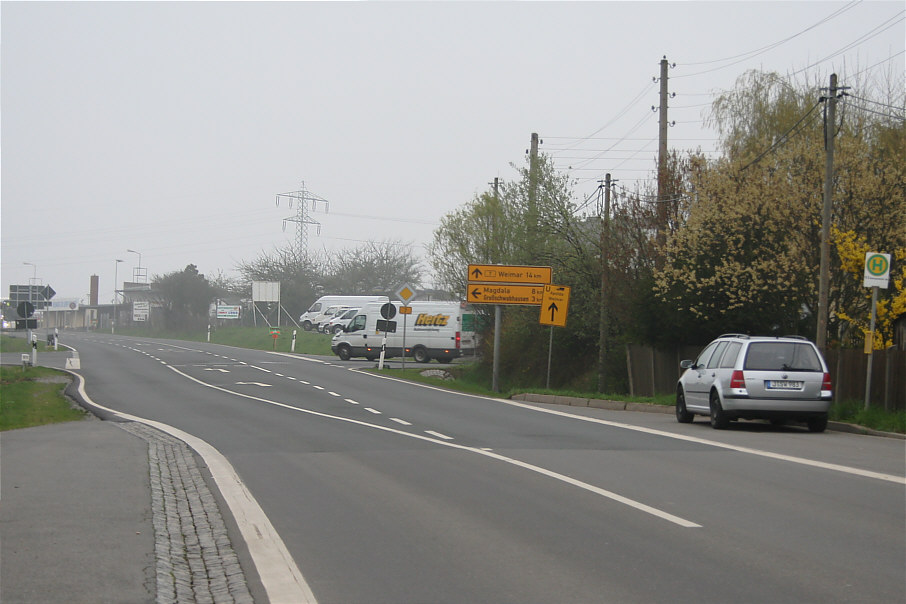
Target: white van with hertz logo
[434,330]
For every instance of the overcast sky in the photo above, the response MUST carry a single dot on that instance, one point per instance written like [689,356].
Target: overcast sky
[169,128]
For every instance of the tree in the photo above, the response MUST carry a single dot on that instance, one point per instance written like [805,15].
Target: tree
[746,256]
[372,268]
[297,278]
[185,297]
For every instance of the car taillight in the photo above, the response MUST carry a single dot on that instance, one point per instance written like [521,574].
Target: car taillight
[826,382]
[458,339]
[737,380]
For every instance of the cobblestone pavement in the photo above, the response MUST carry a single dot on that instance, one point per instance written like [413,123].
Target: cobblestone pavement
[195,561]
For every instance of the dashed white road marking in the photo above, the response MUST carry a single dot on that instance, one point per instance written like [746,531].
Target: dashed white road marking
[350,401]
[400,421]
[438,435]
[370,410]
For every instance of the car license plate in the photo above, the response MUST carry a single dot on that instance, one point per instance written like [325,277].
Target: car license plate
[783,385]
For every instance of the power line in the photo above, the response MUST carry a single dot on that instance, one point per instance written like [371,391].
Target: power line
[763,49]
[782,140]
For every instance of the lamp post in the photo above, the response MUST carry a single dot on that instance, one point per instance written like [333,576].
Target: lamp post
[137,274]
[116,267]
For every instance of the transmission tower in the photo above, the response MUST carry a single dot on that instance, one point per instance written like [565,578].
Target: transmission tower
[305,202]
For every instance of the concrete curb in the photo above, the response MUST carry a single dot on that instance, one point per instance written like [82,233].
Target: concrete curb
[553,399]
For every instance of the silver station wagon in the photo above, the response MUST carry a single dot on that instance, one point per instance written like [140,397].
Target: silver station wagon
[751,377]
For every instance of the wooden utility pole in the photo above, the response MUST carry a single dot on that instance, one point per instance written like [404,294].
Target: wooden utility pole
[498,314]
[662,164]
[604,325]
[830,110]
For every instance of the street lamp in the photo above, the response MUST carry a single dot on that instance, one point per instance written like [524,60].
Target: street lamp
[116,267]
[137,274]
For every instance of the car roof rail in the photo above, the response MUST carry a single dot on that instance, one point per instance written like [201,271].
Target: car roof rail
[734,335]
[795,337]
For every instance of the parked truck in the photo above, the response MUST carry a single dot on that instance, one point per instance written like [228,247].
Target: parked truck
[325,307]
[433,330]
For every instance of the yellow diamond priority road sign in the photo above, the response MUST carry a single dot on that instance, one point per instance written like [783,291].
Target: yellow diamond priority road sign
[554,305]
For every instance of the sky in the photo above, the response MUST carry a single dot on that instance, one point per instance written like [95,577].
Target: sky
[170,128]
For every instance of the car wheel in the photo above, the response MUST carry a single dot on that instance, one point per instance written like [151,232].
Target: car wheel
[420,355]
[344,353]
[306,325]
[817,424]
[719,419]
[445,360]
[683,416]
[337,329]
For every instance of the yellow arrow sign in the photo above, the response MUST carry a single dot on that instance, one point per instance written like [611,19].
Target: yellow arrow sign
[489,293]
[500,273]
[554,305]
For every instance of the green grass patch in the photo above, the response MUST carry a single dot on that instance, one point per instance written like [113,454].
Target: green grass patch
[16,344]
[255,338]
[34,397]
[854,412]
[471,378]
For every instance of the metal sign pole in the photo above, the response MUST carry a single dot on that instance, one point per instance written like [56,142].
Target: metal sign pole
[550,347]
[870,345]
[495,372]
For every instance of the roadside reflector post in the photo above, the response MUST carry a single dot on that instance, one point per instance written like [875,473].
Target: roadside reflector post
[292,346]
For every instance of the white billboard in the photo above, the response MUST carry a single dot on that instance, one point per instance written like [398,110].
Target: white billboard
[141,310]
[265,291]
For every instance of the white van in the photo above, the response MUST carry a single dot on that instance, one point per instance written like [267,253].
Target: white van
[434,330]
[315,316]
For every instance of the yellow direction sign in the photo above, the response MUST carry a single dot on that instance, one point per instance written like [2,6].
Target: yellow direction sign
[499,273]
[554,305]
[501,293]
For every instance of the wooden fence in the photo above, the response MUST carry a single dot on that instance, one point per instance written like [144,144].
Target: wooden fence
[655,371]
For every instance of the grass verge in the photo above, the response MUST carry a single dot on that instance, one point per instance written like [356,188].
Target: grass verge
[34,397]
[469,378]
[256,338]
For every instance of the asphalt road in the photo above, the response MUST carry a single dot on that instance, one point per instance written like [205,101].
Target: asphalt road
[385,491]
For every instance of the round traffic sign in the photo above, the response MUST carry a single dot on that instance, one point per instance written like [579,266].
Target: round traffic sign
[388,311]
[877,264]
[25,309]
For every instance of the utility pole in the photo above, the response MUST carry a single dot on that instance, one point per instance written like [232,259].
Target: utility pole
[498,314]
[830,110]
[302,198]
[532,212]
[662,163]
[604,325]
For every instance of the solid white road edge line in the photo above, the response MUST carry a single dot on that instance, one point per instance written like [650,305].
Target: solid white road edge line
[281,578]
[702,441]
[543,471]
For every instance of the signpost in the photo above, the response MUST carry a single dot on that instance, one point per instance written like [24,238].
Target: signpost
[388,311]
[505,284]
[406,293]
[498,293]
[500,273]
[554,305]
[877,274]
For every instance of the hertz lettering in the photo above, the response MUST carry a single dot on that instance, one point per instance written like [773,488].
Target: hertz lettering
[426,320]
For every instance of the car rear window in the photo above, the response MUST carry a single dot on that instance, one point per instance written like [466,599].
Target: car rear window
[782,356]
